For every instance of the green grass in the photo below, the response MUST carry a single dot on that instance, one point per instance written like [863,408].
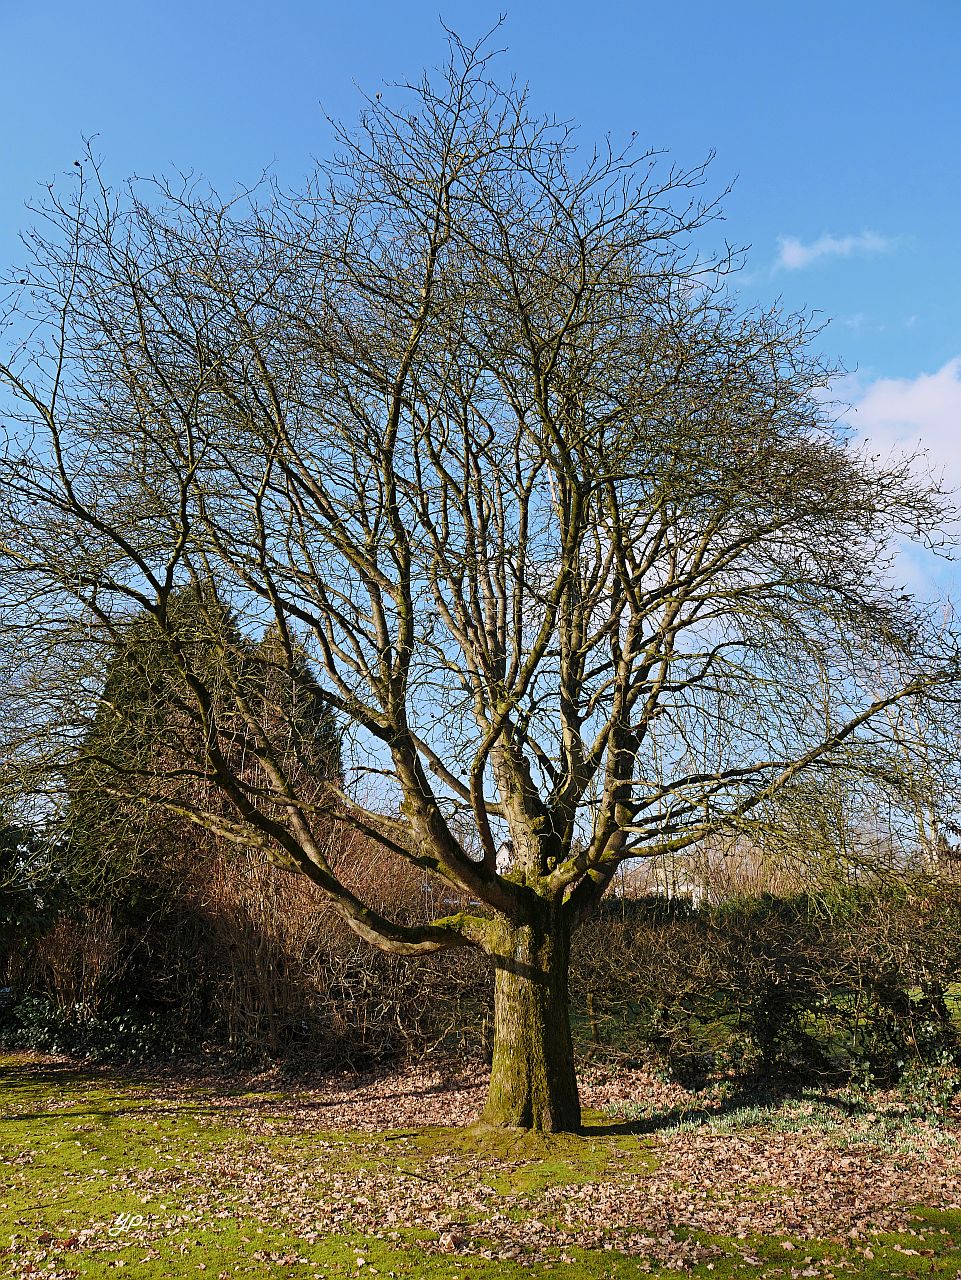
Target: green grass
[78,1198]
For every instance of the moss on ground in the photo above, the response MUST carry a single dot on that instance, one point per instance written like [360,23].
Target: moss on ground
[80,1150]
[932,1248]
[521,1162]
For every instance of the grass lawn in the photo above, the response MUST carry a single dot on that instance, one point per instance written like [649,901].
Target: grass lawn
[106,1173]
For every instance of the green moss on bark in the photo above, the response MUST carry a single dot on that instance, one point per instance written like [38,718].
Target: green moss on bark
[533,1085]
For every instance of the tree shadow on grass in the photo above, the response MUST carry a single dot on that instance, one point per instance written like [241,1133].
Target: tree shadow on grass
[747,1094]
[18,1079]
[754,1095]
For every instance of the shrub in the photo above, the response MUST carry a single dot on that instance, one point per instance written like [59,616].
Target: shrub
[844,986]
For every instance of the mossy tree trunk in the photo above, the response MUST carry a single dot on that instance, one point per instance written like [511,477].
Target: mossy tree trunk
[533,1085]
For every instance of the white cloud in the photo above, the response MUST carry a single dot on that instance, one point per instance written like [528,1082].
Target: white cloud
[905,415]
[919,417]
[794,253]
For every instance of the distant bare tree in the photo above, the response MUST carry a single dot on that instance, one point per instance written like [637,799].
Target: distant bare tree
[567,536]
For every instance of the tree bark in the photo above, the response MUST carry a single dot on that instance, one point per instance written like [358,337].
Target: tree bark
[533,1085]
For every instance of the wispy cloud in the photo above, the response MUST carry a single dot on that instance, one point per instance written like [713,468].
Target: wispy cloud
[794,254]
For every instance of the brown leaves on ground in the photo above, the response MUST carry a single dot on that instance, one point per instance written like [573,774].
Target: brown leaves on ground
[769,1184]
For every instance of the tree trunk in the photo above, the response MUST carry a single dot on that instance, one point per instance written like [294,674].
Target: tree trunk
[533,1085]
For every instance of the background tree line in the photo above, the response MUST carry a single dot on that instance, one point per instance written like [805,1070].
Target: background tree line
[132,934]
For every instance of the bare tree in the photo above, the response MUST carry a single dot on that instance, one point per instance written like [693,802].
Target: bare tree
[568,537]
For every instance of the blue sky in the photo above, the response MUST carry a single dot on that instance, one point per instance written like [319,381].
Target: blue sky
[839,123]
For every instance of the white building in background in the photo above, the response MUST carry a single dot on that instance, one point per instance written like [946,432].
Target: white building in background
[662,877]
[504,858]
